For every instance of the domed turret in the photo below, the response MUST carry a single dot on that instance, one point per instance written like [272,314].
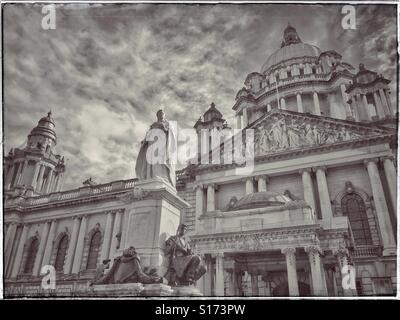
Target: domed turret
[36,168]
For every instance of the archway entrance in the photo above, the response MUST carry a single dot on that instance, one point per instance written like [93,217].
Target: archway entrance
[283,290]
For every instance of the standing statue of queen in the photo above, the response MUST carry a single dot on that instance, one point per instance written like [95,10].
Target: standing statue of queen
[157,154]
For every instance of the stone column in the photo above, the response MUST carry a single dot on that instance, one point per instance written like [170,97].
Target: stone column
[71,247]
[341,255]
[210,197]
[199,205]
[391,178]
[116,230]
[385,225]
[283,104]
[57,182]
[245,118]
[79,246]
[319,288]
[40,178]
[208,278]
[105,248]
[49,243]
[366,106]
[238,121]
[21,172]
[254,284]
[249,186]
[323,192]
[290,255]
[379,107]
[384,102]
[46,187]
[20,251]
[35,175]
[389,102]
[269,107]
[362,113]
[42,245]
[345,99]
[316,104]
[8,244]
[299,102]
[262,183]
[308,187]
[219,275]
[9,176]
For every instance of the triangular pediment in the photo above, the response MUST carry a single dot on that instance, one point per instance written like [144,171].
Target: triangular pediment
[282,130]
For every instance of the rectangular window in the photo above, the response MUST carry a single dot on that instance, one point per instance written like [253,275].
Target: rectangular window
[301,72]
[289,74]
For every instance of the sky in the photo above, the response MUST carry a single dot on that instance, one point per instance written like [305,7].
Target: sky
[106,69]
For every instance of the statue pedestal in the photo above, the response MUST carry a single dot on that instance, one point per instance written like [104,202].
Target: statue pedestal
[117,290]
[153,212]
[157,290]
[186,291]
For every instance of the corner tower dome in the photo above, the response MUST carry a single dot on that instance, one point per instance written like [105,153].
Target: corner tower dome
[45,128]
[291,47]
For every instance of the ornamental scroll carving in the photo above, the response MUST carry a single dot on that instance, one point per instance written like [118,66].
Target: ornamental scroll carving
[282,133]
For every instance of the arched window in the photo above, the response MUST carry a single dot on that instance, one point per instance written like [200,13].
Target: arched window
[93,250]
[354,208]
[31,256]
[61,252]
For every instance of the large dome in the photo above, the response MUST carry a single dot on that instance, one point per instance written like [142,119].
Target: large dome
[292,47]
[295,50]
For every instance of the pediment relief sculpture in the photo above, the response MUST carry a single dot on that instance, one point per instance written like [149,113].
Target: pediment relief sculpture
[284,133]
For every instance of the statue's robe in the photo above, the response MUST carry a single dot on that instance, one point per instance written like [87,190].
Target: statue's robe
[183,265]
[127,270]
[146,168]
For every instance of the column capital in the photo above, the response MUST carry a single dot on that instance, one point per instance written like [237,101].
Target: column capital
[198,186]
[340,252]
[305,170]
[321,168]
[262,176]
[387,157]
[288,251]
[373,160]
[211,185]
[313,249]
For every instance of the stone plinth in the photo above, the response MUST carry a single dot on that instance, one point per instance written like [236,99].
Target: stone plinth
[131,290]
[157,290]
[186,291]
[117,290]
[153,212]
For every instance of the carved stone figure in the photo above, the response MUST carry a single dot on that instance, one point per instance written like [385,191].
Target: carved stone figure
[156,161]
[184,267]
[279,133]
[127,269]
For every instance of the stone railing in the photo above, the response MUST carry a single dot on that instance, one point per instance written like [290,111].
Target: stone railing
[80,192]
[367,251]
[294,79]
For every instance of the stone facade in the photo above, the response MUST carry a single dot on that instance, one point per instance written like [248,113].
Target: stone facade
[321,198]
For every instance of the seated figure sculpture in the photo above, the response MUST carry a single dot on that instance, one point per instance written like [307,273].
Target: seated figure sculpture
[127,269]
[184,267]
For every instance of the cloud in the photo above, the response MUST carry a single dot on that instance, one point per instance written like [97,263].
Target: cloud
[106,69]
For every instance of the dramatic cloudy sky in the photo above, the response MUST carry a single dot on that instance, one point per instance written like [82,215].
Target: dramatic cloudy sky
[105,70]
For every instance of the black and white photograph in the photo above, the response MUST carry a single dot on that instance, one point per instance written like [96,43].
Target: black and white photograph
[199,150]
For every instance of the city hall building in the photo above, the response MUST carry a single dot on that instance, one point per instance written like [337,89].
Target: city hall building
[321,198]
